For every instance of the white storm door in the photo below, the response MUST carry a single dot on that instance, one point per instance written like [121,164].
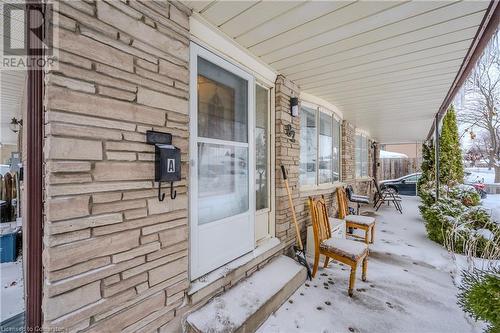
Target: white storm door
[222,168]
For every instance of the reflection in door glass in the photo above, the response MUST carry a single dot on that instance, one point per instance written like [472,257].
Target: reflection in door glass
[222,104]
[261,144]
[222,181]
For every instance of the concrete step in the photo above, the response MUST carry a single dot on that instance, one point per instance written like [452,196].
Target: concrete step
[246,306]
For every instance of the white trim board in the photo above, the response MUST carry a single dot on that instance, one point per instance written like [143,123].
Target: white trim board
[205,34]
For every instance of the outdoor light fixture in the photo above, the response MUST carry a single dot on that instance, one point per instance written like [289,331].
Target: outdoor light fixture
[15,125]
[294,106]
[290,132]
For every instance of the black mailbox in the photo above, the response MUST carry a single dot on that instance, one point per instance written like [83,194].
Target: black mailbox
[167,161]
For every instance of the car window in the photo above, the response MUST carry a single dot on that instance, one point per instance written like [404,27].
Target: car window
[411,179]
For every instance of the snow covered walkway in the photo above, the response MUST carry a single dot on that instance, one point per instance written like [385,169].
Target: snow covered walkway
[409,289]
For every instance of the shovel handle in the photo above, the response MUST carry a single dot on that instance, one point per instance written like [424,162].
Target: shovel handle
[283,171]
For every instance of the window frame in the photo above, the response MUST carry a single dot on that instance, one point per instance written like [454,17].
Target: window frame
[365,158]
[335,119]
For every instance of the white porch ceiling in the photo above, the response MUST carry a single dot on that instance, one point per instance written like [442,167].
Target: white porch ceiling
[386,65]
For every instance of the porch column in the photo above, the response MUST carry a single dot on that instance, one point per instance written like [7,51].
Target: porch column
[436,152]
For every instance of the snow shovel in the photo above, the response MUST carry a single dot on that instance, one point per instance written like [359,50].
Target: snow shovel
[300,252]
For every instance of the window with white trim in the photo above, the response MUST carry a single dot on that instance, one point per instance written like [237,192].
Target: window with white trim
[319,147]
[361,157]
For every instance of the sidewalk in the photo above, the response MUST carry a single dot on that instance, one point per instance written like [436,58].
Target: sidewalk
[409,287]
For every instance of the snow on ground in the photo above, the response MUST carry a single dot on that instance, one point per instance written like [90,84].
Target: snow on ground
[11,289]
[409,289]
[492,205]
[481,174]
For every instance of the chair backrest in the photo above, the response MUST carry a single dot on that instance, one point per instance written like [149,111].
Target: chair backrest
[348,191]
[319,216]
[342,203]
[376,186]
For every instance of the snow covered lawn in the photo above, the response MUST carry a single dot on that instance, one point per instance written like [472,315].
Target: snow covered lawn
[409,289]
[11,292]
[481,174]
[492,205]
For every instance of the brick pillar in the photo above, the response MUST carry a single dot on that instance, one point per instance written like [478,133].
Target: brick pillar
[348,152]
[287,154]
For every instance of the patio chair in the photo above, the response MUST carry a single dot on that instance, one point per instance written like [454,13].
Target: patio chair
[346,251]
[356,198]
[386,196]
[365,223]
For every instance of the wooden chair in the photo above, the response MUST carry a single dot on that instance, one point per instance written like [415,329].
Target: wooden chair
[346,251]
[365,223]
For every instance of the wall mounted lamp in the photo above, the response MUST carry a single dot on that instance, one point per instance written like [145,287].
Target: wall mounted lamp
[15,125]
[294,106]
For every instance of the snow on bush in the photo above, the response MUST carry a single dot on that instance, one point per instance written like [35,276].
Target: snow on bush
[457,223]
[466,194]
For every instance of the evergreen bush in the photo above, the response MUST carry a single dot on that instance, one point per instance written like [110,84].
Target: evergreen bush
[440,217]
[466,194]
[427,166]
[479,296]
[451,170]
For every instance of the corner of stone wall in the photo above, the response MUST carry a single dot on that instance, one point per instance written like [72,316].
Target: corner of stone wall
[287,154]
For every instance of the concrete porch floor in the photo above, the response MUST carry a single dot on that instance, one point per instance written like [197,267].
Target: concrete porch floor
[409,289]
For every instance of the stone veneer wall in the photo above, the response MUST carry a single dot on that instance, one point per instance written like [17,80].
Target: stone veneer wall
[115,258]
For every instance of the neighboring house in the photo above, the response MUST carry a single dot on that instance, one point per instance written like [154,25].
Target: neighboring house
[114,256]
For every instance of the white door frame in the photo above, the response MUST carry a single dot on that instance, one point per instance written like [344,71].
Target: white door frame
[228,230]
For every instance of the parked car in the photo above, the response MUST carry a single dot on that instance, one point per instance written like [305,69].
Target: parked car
[406,185]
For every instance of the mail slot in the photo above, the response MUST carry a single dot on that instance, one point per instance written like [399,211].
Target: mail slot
[168,163]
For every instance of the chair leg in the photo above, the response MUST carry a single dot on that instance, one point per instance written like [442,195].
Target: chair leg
[365,267]
[316,262]
[352,280]
[327,259]
[372,238]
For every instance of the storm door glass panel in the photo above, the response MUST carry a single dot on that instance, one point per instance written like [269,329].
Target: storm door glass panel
[222,104]
[336,150]
[261,147]
[222,181]
[223,170]
[325,157]
[308,146]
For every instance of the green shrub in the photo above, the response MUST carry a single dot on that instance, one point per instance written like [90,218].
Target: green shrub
[466,194]
[440,217]
[474,233]
[479,296]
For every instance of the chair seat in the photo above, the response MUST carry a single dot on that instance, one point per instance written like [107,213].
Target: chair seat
[344,247]
[360,199]
[360,219]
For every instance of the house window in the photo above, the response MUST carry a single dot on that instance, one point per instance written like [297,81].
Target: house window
[319,147]
[361,155]
[262,161]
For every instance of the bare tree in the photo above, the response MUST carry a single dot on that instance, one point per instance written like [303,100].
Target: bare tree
[481,107]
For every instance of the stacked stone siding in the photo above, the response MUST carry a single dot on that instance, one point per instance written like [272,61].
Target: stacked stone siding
[115,258]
